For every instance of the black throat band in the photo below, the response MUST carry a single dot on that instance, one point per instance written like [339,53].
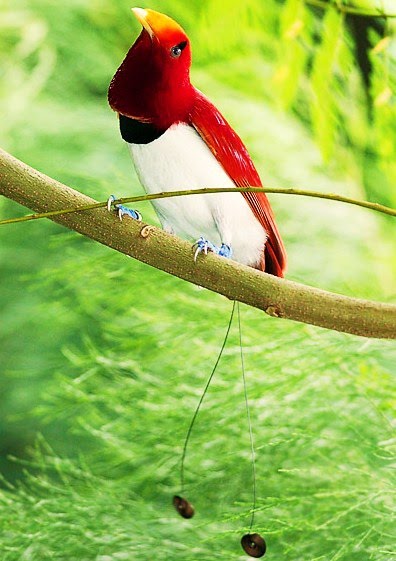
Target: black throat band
[136,132]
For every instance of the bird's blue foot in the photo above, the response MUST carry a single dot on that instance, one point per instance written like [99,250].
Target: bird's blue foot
[203,246]
[225,251]
[123,210]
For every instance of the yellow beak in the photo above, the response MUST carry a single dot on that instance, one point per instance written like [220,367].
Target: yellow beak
[156,24]
[142,16]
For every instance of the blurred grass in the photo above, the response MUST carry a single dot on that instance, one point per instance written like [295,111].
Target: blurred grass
[103,359]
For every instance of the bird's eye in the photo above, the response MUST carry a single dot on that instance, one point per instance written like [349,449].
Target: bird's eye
[177,50]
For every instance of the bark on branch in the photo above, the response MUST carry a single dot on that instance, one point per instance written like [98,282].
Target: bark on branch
[277,297]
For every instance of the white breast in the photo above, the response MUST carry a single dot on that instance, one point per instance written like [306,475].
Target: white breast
[180,159]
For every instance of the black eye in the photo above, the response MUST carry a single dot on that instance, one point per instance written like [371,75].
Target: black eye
[177,50]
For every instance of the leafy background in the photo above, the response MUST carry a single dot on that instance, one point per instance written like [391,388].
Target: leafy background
[103,359]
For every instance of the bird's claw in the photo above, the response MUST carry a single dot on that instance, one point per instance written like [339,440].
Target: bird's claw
[225,251]
[203,246]
[123,210]
[110,201]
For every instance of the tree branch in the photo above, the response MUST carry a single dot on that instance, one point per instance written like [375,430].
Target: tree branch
[277,297]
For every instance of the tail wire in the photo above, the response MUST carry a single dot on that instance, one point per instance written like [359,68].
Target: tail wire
[202,398]
[252,451]
[235,306]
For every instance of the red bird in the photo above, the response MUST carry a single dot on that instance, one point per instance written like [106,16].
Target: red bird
[179,140]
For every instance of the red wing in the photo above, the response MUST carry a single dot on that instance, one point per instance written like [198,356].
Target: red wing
[230,151]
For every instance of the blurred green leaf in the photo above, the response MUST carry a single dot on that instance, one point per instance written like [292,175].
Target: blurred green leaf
[323,81]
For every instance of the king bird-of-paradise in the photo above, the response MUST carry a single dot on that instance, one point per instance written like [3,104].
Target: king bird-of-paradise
[179,140]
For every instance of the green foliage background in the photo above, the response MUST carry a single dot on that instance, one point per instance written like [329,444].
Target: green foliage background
[103,359]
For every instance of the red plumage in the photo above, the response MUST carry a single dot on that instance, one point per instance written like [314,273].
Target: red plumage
[230,151]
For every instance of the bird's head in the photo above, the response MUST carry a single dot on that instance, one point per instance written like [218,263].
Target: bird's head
[153,82]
